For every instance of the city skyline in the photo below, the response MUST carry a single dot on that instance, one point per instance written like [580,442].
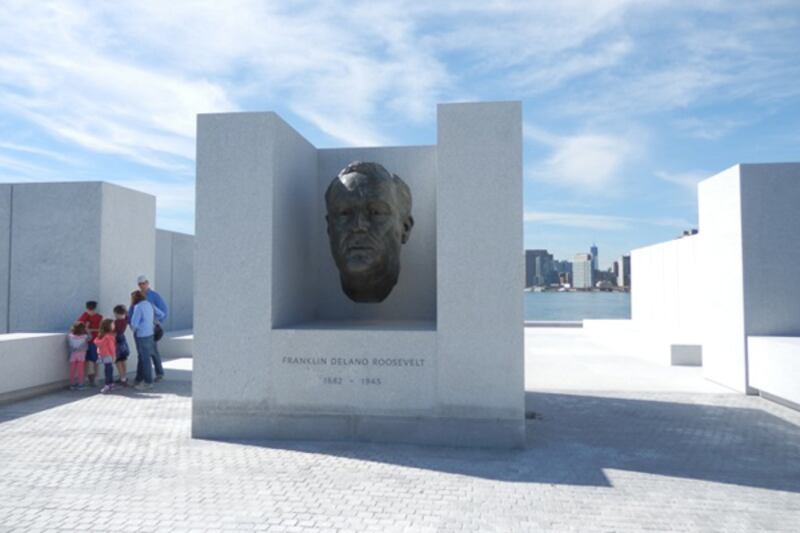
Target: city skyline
[626,106]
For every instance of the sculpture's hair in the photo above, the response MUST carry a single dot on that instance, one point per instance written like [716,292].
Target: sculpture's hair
[376,171]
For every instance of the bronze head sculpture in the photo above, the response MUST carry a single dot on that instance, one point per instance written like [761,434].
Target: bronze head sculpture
[369,219]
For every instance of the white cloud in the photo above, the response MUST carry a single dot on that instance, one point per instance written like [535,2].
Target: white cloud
[578,220]
[56,71]
[37,151]
[588,162]
[687,180]
[129,78]
[709,129]
[601,222]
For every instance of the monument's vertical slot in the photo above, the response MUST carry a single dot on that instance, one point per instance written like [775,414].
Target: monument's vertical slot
[10,251]
[171,316]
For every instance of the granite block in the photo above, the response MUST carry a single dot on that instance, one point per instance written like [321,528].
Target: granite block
[322,366]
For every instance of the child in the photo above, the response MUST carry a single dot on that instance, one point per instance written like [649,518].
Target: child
[78,342]
[123,351]
[106,343]
[91,319]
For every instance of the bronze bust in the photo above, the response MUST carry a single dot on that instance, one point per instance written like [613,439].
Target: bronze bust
[369,219]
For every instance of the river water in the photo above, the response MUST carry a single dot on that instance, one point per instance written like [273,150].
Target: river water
[576,305]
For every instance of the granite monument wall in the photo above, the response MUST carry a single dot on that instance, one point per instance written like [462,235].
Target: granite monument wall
[665,304]
[440,360]
[750,264]
[67,243]
[174,277]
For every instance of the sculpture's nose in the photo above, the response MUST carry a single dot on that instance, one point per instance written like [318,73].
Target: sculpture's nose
[361,221]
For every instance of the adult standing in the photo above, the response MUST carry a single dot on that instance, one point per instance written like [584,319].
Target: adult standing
[158,302]
[143,325]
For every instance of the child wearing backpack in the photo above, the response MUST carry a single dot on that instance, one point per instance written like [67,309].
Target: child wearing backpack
[123,351]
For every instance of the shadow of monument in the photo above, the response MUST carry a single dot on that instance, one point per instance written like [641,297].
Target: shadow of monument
[574,439]
[178,383]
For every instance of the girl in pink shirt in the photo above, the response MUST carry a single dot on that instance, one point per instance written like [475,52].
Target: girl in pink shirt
[106,343]
[78,341]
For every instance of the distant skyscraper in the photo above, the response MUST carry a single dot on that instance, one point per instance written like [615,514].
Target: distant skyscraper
[582,271]
[539,268]
[624,275]
[593,251]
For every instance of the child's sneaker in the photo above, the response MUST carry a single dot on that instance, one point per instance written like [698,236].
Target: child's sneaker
[105,389]
[159,378]
[80,387]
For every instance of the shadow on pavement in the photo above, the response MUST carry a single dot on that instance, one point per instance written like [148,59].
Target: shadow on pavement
[575,438]
[177,382]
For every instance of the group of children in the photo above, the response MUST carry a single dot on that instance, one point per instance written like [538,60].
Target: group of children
[94,340]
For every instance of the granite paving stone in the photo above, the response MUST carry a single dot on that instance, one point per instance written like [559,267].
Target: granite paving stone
[679,459]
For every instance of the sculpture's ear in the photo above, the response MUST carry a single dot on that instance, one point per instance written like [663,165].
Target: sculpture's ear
[408,223]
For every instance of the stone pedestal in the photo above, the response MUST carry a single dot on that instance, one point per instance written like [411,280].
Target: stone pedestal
[281,353]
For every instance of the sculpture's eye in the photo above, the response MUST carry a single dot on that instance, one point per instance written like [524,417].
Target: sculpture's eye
[345,213]
[378,210]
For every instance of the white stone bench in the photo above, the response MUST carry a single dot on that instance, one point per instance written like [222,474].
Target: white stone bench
[36,363]
[31,364]
[176,344]
[628,337]
[774,367]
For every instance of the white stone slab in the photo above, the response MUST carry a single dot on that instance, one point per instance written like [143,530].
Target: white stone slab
[720,219]
[32,364]
[128,242]
[301,361]
[182,304]
[479,271]
[330,371]
[162,279]
[665,300]
[73,242]
[686,355]
[774,365]
[749,263]
[55,267]
[176,344]
[174,278]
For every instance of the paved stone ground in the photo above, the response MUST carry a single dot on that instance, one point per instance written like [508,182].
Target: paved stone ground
[597,461]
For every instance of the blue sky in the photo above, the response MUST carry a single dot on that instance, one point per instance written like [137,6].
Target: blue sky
[626,104]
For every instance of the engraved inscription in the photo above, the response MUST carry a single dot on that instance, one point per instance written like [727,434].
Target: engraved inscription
[380,362]
[375,364]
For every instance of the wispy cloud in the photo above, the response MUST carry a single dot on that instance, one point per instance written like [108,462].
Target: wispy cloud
[600,222]
[687,180]
[589,162]
[126,79]
[709,129]
[37,151]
